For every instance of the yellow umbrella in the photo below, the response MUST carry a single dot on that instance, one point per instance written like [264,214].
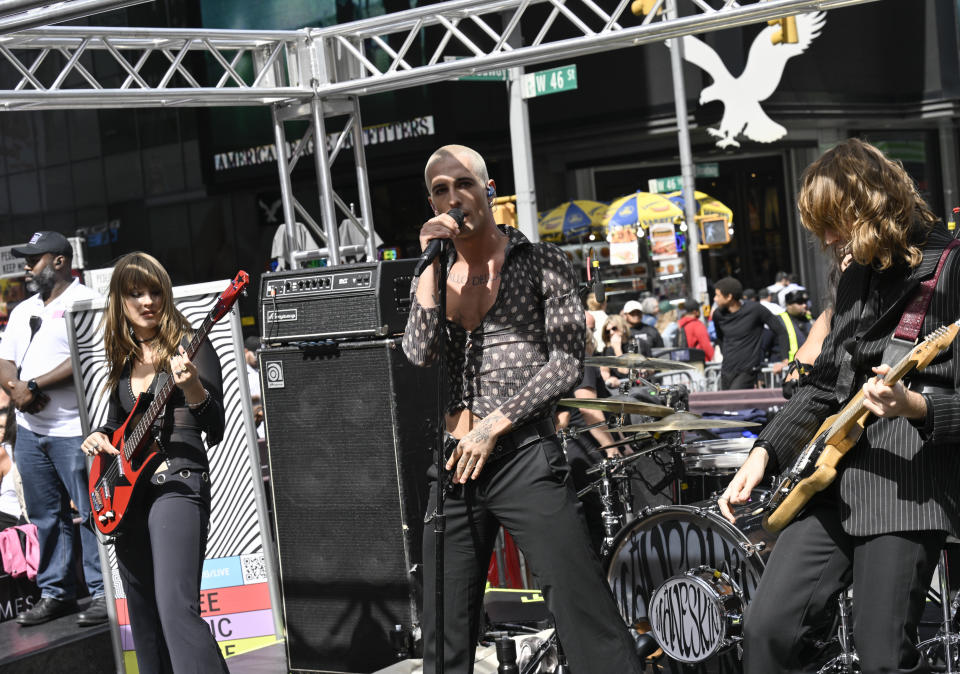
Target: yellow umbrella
[570,220]
[706,205]
[641,208]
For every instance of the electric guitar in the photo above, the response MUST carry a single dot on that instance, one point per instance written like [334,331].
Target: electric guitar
[115,480]
[816,467]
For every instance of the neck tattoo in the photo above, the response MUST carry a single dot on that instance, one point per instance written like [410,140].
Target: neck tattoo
[467,280]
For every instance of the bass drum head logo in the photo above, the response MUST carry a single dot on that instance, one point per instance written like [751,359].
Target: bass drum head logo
[273,373]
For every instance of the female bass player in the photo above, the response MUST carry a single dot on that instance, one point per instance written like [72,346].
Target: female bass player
[161,551]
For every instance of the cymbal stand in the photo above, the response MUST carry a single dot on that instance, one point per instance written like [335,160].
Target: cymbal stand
[945,646]
[569,432]
[614,488]
[847,662]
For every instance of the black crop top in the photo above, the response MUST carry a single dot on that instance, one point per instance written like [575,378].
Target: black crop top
[178,428]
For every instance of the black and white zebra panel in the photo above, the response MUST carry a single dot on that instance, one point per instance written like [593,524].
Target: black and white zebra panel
[239,591]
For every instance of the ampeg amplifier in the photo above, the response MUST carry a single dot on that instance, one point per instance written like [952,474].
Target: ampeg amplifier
[368,299]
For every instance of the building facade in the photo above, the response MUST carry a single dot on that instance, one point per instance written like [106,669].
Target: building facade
[199,187]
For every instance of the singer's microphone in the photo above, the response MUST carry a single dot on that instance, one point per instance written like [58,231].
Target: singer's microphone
[432,251]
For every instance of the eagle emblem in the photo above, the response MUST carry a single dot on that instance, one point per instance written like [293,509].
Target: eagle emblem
[741,96]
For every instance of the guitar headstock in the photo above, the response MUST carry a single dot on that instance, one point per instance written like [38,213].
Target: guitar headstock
[934,343]
[229,296]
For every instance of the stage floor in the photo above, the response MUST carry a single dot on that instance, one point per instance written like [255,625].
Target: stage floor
[44,648]
[273,660]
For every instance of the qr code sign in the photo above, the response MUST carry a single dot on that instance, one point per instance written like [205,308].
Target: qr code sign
[254,568]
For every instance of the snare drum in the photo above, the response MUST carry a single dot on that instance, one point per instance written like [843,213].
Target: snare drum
[716,457]
[690,573]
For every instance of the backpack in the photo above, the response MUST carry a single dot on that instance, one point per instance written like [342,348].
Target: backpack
[682,336]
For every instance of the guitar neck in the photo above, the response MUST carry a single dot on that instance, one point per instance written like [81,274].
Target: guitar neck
[142,428]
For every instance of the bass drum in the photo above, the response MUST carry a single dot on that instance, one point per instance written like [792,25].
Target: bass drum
[685,544]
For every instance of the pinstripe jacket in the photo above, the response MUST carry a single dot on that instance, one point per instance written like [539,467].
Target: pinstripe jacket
[902,475]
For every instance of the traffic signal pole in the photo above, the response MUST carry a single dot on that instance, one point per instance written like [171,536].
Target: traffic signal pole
[697,283]
[522,151]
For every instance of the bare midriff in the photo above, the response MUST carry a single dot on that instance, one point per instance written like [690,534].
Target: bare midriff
[461,422]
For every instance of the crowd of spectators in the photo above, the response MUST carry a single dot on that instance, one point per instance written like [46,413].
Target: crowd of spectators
[749,335]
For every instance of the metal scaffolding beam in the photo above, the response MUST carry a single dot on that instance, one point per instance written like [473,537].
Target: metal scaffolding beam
[316,73]
[211,68]
[23,14]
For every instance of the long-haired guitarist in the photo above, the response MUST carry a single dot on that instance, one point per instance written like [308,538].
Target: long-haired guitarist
[162,548]
[882,521]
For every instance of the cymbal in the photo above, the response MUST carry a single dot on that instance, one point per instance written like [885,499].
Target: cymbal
[686,421]
[634,361]
[618,406]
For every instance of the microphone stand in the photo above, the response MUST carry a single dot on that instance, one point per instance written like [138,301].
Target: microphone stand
[439,518]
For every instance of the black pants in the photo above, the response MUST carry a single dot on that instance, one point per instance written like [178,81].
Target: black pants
[737,380]
[530,494]
[814,559]
[160,560]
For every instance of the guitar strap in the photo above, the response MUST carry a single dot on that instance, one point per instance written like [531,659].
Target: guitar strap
[905,336]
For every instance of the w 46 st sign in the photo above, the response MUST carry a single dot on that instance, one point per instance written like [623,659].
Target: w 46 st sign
[551,81]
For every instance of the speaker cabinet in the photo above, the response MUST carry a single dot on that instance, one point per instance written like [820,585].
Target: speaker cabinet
[350,433]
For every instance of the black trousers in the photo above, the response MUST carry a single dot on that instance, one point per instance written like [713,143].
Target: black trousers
[161,560]
[530,494]
[814,559]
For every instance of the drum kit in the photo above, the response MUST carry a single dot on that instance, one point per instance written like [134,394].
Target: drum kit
[681,573]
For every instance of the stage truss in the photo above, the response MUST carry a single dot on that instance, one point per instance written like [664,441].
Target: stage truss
[319,73]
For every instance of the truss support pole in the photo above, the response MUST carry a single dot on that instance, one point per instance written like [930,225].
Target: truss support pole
[522,149]
[363,186]
[321,158]
[697,284]
[286,188]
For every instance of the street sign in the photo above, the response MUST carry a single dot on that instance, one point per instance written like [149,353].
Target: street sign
[710,169]
[551,81]
[673,183]
[501,75]
[668,184]
[489,76]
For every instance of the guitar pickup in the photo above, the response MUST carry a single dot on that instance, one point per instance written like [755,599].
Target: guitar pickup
[120,465]
[97,502]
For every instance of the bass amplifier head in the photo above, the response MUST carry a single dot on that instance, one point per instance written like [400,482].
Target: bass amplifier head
[364,300]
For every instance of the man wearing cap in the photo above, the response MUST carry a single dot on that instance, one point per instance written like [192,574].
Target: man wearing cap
[48,429]
[796,321]
[642,333]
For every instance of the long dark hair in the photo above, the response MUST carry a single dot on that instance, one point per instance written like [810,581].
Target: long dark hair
[9,425]
[140,271]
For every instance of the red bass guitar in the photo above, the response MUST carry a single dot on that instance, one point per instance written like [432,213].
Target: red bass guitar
[115,480]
